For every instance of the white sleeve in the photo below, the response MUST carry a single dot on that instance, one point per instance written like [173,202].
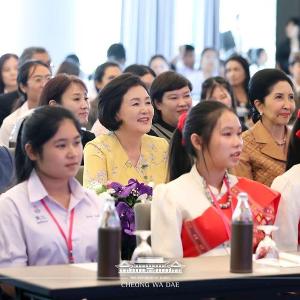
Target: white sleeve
[287,218]
[5,131]
[13,250]
[166,223]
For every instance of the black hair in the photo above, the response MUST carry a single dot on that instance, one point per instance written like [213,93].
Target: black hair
[36,130]
[245,65]
[139,70]
[201,119]
[166,82]
[209,85]
[68,67]
[29,52]
[116,51]
[295,58]
[111,97]
[56,86]
[208,49]
[100,71]
[3,59]
[157,56]
[293,153]
[24,73]
[188,48]
[23,77]
[294,20]
[261,85]
[73,58]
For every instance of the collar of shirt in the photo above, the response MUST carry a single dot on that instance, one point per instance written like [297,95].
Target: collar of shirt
[270,148]
[37,191]
[199,179]
[142,162]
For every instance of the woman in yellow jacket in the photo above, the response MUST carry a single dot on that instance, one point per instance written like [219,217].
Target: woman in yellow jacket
[125,109]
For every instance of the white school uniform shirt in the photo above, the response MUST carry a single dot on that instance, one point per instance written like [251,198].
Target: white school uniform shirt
[288,214]
[10,121]
[181,199]
[29,236]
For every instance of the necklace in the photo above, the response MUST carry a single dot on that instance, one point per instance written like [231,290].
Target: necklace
[281,143]
[211,197]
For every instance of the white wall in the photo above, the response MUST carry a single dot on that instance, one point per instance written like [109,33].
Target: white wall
[86,27]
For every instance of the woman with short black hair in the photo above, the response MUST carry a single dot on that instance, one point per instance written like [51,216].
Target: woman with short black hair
[125,152]
[271,93]
[171,96]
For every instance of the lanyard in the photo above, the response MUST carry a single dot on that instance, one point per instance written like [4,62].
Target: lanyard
[219,210]
[69,239]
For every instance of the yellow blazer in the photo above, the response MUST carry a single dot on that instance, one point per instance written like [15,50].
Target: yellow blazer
[106,160]
[262,159]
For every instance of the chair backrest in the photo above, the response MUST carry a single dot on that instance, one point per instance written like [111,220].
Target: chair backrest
[79,175]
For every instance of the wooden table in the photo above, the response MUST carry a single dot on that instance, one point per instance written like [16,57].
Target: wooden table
[202,277]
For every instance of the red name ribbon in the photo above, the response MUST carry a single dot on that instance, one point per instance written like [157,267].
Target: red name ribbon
[180,125]
[226,221]
[69,239]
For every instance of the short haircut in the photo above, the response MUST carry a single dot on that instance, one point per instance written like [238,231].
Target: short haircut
[294,59]
[117,51]
[55,88]
[28,53]
[24,73]
[294,20]
[68,67]
[261,85]
[166,82]
[157,56]
[99,72]
[111,97]
[188,48]
[210,84]
[139,70]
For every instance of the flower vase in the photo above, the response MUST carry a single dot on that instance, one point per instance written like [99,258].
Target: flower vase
[126,215]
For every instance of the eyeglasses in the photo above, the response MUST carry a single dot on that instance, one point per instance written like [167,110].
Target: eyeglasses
[40,79]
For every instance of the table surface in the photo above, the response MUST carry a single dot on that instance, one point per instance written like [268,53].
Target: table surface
[201,273]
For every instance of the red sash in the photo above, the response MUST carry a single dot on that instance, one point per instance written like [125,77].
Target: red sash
[209,231]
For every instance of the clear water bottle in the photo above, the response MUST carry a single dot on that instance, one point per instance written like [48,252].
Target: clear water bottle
[241,237]
[109,241]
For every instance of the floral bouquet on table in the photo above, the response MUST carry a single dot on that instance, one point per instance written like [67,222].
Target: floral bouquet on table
[126,197]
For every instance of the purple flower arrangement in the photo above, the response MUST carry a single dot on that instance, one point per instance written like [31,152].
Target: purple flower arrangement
[126,197]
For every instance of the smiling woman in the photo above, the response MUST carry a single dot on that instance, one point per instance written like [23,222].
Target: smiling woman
[171,95]
[70,92]
[271,93]
[126,151]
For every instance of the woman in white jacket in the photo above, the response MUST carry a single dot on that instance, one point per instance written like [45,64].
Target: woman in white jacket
[287,219]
